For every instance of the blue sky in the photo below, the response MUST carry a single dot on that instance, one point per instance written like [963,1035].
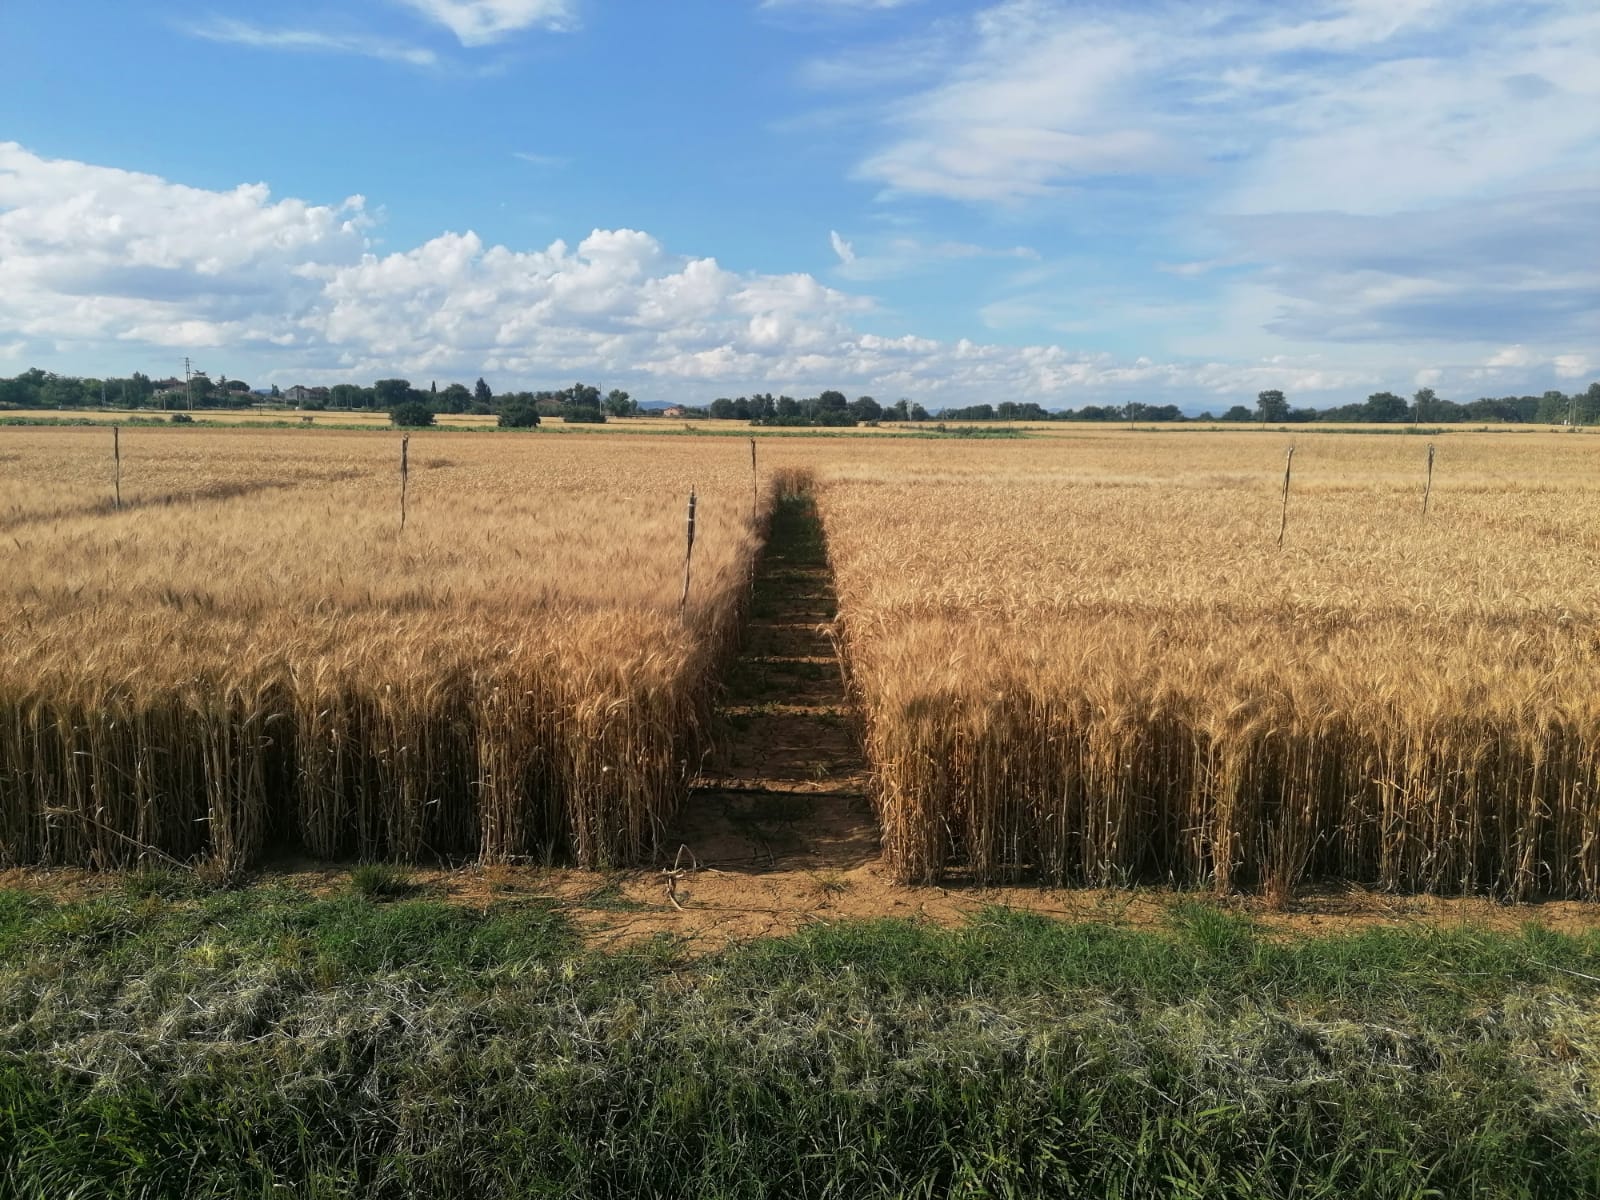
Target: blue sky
[1014,199]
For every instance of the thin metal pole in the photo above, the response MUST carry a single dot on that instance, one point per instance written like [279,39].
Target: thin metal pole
[116,457]
[1428,490]
[755,484]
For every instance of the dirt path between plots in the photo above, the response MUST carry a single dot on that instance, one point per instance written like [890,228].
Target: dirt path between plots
[778,831]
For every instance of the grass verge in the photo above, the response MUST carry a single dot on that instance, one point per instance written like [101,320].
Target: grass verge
[172,1042]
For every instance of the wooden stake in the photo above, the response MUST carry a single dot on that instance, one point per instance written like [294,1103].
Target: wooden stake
[116,457]
[1283,521]
[688,555]
[1428,490]
[755,484]
[405,472]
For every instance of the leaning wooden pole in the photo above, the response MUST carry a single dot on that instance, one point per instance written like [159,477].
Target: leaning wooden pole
[1283,519]
[1427,490]
[116,459]
[405,473]
[688,556]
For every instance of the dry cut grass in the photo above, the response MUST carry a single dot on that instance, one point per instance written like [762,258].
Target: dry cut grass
[251,653]
[1089,660]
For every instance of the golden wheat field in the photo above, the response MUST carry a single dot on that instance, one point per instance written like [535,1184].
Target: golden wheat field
[1082,658]
[251,651]
[1091,660]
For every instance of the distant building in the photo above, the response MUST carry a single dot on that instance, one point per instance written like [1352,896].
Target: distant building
[676,410]
[298,394]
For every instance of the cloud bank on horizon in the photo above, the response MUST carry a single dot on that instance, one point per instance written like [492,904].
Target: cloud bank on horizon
[1017,200]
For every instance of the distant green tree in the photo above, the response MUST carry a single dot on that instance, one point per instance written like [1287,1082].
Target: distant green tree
[481,392]
[1420,404]
[1589,405]
[1238,413]
[65,391]
[1271,406]
[620,404]
[411,414]
[865,408]
[519,414]
[456,398]
[1384,407]
[391,393]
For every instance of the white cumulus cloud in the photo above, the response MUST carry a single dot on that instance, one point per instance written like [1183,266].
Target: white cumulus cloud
[128,270]
[241,33]
[481,22]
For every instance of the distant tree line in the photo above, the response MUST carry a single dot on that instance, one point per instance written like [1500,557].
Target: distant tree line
[584,404]
[1386,408]
[581,402]
[36,388]
[830,408]
[1272,407]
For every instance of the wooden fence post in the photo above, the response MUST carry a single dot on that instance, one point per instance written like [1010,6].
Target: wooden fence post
[688,555]
[405,472]
[1283,520]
